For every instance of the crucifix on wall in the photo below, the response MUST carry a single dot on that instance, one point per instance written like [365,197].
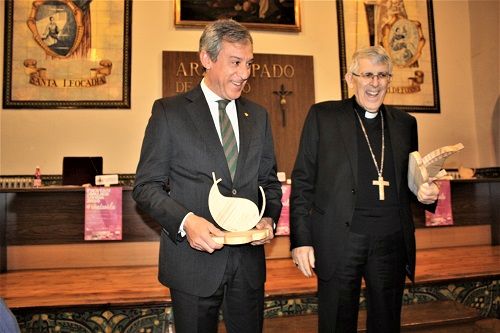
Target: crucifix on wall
[282,93]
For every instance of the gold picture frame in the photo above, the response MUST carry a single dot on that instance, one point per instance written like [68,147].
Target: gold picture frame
[281,15]
[67,54]
[405,28]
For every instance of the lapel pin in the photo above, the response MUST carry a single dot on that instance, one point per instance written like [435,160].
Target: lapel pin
[246,114]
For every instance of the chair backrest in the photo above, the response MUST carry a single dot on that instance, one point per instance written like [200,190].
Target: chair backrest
[8,322]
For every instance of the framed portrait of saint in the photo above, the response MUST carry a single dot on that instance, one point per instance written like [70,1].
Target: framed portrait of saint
[67,54]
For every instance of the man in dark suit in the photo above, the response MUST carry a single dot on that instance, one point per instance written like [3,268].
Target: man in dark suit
[183,144]
[350,201]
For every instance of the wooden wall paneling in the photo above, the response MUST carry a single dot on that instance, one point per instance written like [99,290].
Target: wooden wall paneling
[495,203]
[3,232]
[49,219]
[45,218]
[57,217]
[471,203]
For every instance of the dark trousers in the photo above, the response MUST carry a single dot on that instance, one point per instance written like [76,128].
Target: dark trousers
[380,261]
[242,306]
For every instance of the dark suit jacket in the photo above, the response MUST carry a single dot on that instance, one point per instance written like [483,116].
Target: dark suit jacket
[324,181]
[180,151]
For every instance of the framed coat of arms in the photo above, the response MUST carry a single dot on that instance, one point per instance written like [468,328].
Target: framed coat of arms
[405,28]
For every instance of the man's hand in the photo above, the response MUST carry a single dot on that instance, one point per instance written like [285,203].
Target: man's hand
[303,258]
[265,223]
[428,193]
[199,234]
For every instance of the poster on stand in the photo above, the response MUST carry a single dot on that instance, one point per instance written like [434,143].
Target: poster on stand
[443,214]
[103,213]
[283,227]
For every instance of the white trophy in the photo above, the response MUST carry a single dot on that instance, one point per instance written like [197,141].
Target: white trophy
[238,216]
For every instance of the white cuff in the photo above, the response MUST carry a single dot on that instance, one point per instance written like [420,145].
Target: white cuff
[181,227]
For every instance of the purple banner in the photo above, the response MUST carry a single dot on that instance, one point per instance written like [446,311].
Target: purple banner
[283,227]
[443,214]
[103,213]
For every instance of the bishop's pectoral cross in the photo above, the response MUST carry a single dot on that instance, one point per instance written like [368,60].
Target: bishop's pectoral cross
[381,183]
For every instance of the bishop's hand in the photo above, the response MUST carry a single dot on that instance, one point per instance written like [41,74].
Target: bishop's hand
[428,193]
[303,258]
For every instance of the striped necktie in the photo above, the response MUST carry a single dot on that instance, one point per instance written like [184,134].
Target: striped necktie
[228,138]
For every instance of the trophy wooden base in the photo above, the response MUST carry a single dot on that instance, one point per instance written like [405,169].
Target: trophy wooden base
[241,237]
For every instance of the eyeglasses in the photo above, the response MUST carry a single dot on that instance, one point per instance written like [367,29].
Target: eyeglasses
[368,76]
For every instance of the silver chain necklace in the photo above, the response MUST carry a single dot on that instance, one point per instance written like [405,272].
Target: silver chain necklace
[380,182]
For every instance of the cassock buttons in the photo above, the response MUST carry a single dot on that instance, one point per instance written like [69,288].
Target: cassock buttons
[234,192]
[347,223]
[353,191]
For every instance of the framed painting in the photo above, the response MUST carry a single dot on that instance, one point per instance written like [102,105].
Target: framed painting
[405,28]
[67,54]
[283,15]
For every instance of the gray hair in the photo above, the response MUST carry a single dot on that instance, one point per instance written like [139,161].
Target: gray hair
[376,54]
[222,30]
